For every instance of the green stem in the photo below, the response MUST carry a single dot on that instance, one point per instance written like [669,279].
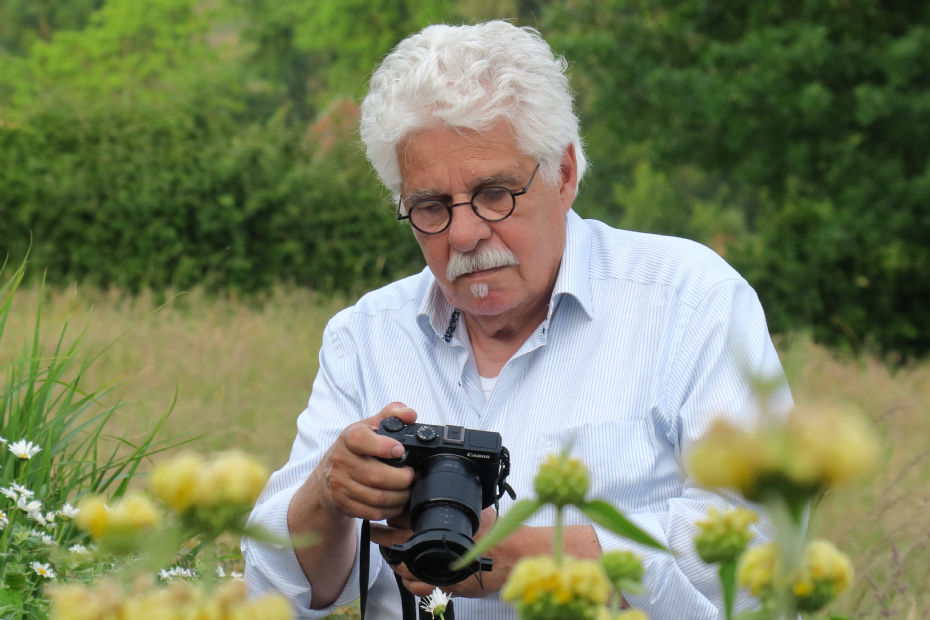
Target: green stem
[557,537]
[615,603]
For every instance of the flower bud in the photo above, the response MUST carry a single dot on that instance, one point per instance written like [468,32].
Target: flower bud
[757,568]
[622,566]
[562,481]
[542,589]
[177,481]
[234,479]
[94,517]
[724,537]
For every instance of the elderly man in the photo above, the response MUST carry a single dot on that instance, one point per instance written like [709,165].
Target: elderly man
[529,321]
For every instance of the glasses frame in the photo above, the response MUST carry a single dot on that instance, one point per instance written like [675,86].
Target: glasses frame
[513,205]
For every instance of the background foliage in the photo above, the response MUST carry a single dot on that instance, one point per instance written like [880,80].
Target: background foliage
[175,142]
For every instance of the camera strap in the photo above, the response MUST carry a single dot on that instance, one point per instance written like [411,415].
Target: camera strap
[408,602]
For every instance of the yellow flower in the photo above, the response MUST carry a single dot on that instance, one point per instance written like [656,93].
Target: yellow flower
[723,459]
[178,480]
[632,614]
[94,516]
[723,537]
[267,607]
[825,562]
[134,513]
[757,568]
[838,440]
[74,602]
[561,481]
[535,579]
[232,478]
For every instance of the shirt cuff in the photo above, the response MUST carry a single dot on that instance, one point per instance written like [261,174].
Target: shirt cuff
[271,568]
[669,593]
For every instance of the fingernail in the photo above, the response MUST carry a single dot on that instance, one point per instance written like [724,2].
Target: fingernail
[397,451]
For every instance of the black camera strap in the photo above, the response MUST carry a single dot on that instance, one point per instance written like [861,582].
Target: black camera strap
[408,602]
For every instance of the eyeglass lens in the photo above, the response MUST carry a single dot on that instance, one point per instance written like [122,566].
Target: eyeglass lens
[492,204]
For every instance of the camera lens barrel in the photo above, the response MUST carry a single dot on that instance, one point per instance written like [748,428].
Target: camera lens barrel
[447,495]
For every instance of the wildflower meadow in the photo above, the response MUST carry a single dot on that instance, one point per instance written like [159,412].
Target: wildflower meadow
[115,508]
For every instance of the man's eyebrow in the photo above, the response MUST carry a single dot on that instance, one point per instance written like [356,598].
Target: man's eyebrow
[434,194]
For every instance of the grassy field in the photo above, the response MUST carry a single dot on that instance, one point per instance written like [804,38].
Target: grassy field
[243,374]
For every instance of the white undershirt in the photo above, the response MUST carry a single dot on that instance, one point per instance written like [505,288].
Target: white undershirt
[487,386]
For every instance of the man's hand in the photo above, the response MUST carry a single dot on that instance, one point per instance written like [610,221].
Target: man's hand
[398,531]
[353,482]
[348,483]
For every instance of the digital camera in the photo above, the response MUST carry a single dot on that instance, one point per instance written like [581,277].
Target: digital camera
[458,473]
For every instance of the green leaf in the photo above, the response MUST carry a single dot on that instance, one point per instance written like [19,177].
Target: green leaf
[755,615]
[607,516]
[728,582]
[505,526]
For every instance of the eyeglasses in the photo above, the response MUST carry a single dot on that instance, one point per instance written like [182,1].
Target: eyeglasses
[492,204]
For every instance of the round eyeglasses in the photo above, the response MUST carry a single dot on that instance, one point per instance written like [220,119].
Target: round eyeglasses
[492,204]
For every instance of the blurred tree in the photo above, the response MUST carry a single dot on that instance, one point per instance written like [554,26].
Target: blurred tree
[22,22]
[816,113]
[314,52]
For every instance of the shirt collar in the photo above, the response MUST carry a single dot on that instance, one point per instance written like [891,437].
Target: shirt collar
[437,315]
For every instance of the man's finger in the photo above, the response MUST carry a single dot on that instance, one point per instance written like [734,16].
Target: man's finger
[376,498]
[386,536]
[381,476]
[395,410]
[361,441]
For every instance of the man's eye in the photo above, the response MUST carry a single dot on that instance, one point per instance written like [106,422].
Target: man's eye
[430,208]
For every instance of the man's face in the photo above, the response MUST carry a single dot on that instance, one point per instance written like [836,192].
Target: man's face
[450,166]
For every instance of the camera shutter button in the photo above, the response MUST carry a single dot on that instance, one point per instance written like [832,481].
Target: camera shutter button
[426,433]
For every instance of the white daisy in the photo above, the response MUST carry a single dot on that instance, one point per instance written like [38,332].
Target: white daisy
[48,540]
[4,521]
[3,441]
[33,506]
[24,449]
[9,493]
[50,518]
[22,490]
[236,576]
[436,603]
[37,516]
[68,511]
[43,570]
[177,571]
[220,572]
[79,550]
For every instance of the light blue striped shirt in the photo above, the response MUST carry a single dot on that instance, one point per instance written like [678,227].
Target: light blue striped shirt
[646,341]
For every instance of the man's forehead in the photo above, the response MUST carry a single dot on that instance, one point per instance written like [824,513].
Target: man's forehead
[431,158]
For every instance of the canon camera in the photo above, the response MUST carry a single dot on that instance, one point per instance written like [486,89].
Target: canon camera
[458,473]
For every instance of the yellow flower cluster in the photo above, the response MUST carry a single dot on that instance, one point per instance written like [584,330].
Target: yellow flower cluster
[814,449]
[179,601]
[129,516]
[630,614]
[757,568]
[539,587]
[825,573]
[723,537]
[561,481]
[189,481]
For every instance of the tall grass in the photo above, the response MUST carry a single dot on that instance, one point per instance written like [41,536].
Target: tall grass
[45,399]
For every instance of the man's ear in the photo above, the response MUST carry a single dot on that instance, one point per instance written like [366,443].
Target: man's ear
[569,178]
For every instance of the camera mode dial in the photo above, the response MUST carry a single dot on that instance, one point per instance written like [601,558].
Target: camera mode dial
[426,433]
[393,425]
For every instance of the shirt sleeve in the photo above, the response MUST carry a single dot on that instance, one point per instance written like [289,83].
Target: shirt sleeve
[334,404]
[723,341]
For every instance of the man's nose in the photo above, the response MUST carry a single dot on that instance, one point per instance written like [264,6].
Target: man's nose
[467,229]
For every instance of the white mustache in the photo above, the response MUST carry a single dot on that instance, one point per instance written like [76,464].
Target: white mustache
[480,259]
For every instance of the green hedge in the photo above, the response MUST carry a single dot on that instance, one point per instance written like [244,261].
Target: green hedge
[160,196]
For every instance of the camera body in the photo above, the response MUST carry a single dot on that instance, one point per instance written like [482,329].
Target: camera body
[458,473]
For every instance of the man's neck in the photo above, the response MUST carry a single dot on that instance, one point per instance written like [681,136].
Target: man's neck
[495,339]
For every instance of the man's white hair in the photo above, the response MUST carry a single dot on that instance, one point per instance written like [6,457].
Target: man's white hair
[471,77]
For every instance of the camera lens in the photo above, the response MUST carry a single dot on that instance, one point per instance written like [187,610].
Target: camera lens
[445,511]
